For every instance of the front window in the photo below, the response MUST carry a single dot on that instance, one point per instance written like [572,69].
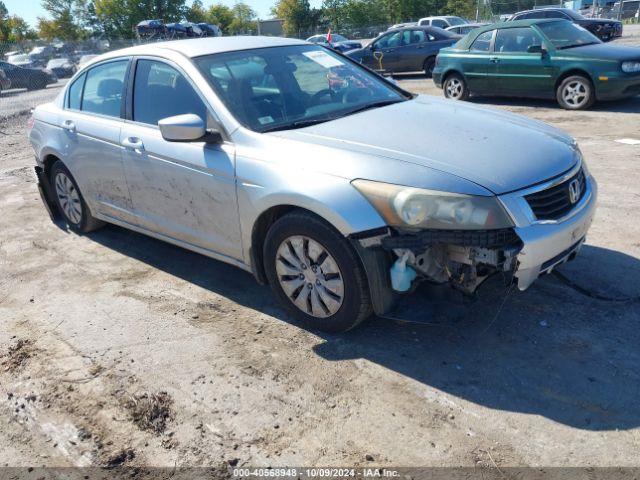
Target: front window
[160,91]
[291,87]
[564,34]
[516,40]
[483,42]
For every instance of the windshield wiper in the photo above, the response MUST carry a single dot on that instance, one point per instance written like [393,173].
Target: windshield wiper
[369,106]
[298,124]
[564,47]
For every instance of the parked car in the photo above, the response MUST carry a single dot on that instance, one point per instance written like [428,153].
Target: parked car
[40,55]
[338,42]
[29,78]
[5,83]
[407,49]
[289,160]
[464,29]
[61,67]
[442,22]
[603,28]
[540,59]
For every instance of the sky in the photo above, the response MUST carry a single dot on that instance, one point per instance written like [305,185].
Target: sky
[30,10]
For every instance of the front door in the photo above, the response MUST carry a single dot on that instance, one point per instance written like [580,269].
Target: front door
[384,52]
[183,190]
[521,67]
[477,65]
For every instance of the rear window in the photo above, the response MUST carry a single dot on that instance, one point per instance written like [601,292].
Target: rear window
[483,42]
[104,88]
[75,92]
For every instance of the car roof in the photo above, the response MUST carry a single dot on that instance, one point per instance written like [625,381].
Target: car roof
[469,39]
[197,47]
[426,28]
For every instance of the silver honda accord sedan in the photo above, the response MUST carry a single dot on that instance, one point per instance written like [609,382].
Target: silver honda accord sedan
[331,184]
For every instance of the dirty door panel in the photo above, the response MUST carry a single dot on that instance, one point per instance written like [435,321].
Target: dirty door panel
[184,190]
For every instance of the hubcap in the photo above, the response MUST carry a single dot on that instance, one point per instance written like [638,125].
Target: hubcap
[309,276]
[454,88]
[68,198]
[575,93]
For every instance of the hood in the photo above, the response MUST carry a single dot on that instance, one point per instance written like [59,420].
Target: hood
[499,151]
[605,51]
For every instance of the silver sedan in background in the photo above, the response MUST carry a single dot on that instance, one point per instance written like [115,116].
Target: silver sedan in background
[334,186]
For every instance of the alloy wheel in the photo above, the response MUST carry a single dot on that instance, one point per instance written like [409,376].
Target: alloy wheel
[575,94]
[68,197]
[454,88]
[309,276]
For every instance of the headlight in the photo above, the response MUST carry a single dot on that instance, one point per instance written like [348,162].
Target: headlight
[414,207]
[631,67]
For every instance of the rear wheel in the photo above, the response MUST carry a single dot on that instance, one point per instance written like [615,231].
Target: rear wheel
[70,201]
[315,273]
[575,93]
[428,66]
[455,87]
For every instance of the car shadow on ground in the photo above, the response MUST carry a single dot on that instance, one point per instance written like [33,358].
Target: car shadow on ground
[549,351]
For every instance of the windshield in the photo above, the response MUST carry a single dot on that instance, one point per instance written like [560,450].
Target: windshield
[338,38]
[290,87]
[454,21]
[564,34]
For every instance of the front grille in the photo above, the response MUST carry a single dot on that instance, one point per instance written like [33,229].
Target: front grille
[555,202]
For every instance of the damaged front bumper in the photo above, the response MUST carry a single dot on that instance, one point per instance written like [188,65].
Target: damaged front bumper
[465,258]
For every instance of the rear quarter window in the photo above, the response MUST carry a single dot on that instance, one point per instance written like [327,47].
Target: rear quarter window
[75,93]
[482,43]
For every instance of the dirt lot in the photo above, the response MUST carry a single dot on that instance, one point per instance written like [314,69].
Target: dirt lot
[119,349]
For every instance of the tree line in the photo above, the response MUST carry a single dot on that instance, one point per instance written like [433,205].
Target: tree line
[80,19]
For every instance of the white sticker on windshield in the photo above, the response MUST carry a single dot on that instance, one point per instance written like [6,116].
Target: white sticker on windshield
[265,120]
[323,58]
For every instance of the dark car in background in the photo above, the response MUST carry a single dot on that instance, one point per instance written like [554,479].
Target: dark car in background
[337,42]
[539,59]
[29,78]
[5,83]
[407,49]
[61,67]
[603,28]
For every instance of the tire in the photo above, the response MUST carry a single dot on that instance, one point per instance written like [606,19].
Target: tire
[428,66]
[455,87]
[329,284]
[575,93]
[70,201]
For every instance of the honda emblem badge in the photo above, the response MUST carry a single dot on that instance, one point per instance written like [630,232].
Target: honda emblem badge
[574,191]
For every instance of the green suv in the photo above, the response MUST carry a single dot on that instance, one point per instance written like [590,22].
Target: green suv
[538,59]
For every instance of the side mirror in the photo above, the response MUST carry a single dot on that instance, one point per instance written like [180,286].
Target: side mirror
[187,128]
[536,49]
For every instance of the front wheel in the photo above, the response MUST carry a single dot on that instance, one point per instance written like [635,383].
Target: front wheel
[575,93]
[315,273]
[455,87]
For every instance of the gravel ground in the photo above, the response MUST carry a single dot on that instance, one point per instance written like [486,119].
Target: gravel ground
[119,349]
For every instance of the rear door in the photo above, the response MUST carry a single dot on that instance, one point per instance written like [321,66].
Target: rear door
[520,67]
[90,128]
[182,190]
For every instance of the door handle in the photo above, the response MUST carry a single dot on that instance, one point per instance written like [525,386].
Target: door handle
[494,60]
[69,126]
[133,143]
